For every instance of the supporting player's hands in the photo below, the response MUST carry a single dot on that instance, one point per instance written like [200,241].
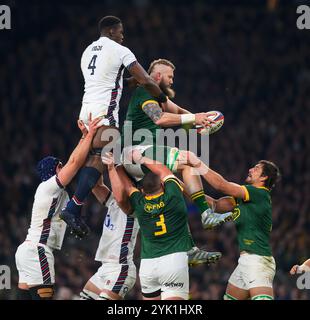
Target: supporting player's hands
[108,160]
[83,128]
[93,126]
[203,119]
[294,269]
[188,158]
[137,156]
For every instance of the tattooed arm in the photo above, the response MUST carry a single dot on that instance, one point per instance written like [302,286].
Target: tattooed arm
[167,119]
[163,119]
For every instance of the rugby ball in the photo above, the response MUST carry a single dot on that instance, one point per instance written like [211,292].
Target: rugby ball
[217,117]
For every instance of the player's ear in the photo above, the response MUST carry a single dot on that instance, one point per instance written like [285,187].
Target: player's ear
[158,76]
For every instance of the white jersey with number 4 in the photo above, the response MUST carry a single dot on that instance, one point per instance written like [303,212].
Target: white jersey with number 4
[103,64]
[46,227]
[119,236]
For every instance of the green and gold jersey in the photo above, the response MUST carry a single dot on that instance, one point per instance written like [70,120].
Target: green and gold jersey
[138,119]
[253,219]
[163,220]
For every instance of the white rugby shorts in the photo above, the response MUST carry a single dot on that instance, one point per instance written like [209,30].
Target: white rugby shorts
[253,271]
[168,273]
[35,264]
[114,277]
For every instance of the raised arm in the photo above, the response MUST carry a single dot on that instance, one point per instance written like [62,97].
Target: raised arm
[79,154]
[175,117]
[120,183]
[144,79]
[156,167]
[217,181]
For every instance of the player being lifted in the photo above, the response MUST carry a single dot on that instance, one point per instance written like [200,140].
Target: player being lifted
[144,112]
[253,277]
[34,257]
[103,64]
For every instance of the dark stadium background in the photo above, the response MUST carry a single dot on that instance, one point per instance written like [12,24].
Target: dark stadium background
[244,58]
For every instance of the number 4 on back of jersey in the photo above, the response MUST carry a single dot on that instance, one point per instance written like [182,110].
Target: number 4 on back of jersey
[92,64]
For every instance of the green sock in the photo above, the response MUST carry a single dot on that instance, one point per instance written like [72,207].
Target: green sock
[200,201]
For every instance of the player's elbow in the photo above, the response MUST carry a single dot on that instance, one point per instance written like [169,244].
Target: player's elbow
[161,120]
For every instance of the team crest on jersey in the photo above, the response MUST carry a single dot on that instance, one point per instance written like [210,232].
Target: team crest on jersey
[108,223]
[148,207]
[236,213]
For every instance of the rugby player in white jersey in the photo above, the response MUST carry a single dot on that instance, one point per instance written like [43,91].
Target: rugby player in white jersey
[103,63]
[117,274]
[34,257]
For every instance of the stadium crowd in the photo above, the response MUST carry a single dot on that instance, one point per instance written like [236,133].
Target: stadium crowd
[249,62]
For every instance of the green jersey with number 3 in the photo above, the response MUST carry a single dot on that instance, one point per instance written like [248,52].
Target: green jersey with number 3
[163,221]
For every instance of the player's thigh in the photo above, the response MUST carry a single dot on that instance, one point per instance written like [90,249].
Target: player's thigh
[133,169]
[237,288]
[105,135]
[118,279]
[236,293]
[148,274]
[174,276]
[260,275]
[164,154]
[262,293]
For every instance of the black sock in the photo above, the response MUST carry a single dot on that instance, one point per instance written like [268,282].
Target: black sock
[23,294]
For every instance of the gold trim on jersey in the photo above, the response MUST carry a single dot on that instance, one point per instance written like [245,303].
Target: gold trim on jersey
[176,182]
[154,196]
[148,101]
[233,201]
[133,191]
[247,195]
[263,188]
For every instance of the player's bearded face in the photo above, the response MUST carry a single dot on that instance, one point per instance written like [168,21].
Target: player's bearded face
[166,89]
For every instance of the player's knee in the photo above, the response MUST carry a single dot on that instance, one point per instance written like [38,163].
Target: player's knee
[262,297]
[42,292]
[228,297]
[95,152]
[104,296]
[88,295]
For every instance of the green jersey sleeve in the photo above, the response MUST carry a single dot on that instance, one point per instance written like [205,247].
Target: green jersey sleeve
[173,187]
[253,194]
[135,197]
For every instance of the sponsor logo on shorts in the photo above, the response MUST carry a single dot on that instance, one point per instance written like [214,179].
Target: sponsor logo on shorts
[174,284]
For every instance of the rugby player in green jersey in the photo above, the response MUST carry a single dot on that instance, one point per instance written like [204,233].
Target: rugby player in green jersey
[146,113]
[162,215]
[251,204]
